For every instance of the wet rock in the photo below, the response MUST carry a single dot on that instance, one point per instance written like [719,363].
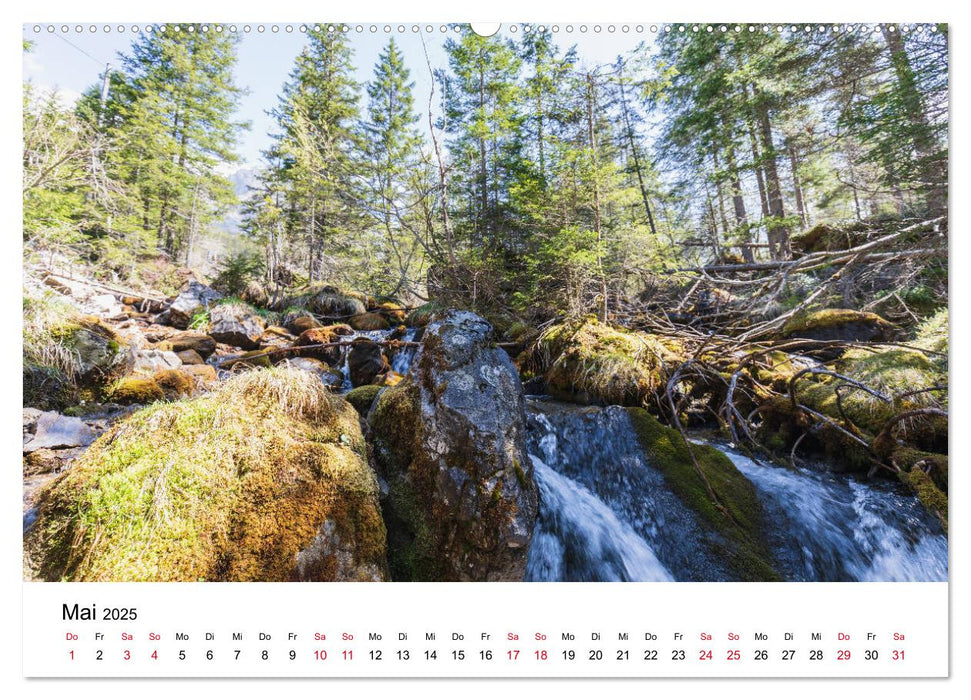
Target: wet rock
[365,362]
[235,324]
[55,431]
[450,443]
[193,298]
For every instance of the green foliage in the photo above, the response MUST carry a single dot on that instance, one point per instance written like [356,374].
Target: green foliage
[236,271]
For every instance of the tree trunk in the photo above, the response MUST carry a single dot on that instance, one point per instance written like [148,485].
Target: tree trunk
[637,161]
[483,177]
[597,225]
[930,167]
[796,184]
[778,232]
[738,203]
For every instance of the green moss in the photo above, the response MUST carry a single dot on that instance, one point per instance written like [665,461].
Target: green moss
[738,519]
[932,498]
[228,486]
[424,314]
[369,322]
[136,390]
[362,397]
[890,371]
[590,362]
[829,318]
[520,474]
[933,335]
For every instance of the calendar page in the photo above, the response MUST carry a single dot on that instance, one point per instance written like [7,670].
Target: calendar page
[531,349]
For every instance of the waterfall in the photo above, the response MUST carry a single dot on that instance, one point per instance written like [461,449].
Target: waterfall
[831,527]
[606,514]
[401,362]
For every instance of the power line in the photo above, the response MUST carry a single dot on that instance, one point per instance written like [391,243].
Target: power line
[75,46]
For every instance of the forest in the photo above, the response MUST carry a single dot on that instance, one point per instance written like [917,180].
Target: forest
[735,233]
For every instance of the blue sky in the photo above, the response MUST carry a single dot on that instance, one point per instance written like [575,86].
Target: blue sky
[72,61]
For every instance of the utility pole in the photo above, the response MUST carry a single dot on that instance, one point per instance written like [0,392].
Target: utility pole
[105,83]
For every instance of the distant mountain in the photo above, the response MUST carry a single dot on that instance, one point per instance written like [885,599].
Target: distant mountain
[242,179]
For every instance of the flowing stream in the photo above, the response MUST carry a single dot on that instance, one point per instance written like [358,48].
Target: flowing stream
[607,515]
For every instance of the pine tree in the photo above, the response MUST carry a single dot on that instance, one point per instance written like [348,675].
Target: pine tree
[315,158]
[177,128]
[393,149]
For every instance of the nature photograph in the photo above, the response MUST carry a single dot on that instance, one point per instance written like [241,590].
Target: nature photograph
[617,302]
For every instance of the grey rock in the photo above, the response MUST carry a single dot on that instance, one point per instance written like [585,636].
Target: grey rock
[54,431]
[101,353]
[195,297]
[152,361]
[468,468]
[235,325]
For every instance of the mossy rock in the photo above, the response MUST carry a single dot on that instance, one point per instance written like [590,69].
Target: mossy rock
[927,492]
[265,479]
[393,311]
[830,237]
[328,301]
[68,357]
[362,397]
[736,518]
[397,433]
[369,322]
[590,362]
[839,324]
[888,370]
[167,384]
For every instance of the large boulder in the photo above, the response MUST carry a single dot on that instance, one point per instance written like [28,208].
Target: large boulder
[193,298]
[264,479]
[236,324]
[365,362]
[450,444]
[589,362]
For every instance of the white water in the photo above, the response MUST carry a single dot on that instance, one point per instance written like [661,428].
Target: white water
[401,363]
[607,515]
[581,538]
[831,527]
